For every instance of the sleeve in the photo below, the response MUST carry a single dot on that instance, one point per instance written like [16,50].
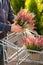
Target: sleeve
[10,13]
[4,27]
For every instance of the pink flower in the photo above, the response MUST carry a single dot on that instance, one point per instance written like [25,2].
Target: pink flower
[42,41]
[28,40]
[25,16]
[37,41]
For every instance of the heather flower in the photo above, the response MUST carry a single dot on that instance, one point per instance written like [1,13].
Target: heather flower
[33,43]
[25,17]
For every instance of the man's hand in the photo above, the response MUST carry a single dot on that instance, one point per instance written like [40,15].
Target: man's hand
[16,28]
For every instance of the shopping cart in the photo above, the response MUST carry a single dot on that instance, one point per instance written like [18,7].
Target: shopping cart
[13,49]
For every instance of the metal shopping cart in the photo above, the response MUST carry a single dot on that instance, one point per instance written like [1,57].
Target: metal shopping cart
[13,49]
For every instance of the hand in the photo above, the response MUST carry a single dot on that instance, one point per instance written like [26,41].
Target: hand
[16,28]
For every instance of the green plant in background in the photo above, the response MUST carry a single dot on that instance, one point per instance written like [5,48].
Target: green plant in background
[40,5]
[17,5]
[40,8]
[36,7]
[31,5]
[41,25]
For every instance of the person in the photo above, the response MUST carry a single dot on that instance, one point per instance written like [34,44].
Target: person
[6,14]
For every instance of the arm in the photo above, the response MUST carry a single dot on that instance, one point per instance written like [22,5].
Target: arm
[4,27]
[12,28]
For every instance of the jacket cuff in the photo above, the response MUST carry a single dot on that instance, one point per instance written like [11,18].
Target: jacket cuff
[5,27]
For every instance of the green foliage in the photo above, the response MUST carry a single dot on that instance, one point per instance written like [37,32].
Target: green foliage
[40,22]
[41,25]
[36,7]
[34,47]
[17,5]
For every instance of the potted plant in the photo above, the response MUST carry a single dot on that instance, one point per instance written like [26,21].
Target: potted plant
[34,45]
[25,19]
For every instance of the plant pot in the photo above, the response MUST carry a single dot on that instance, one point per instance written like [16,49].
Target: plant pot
[35,56]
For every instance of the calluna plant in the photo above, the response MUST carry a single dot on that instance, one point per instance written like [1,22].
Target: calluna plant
[33,43]
[25,18]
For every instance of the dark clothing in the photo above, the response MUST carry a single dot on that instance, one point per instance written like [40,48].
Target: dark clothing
[6,14]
